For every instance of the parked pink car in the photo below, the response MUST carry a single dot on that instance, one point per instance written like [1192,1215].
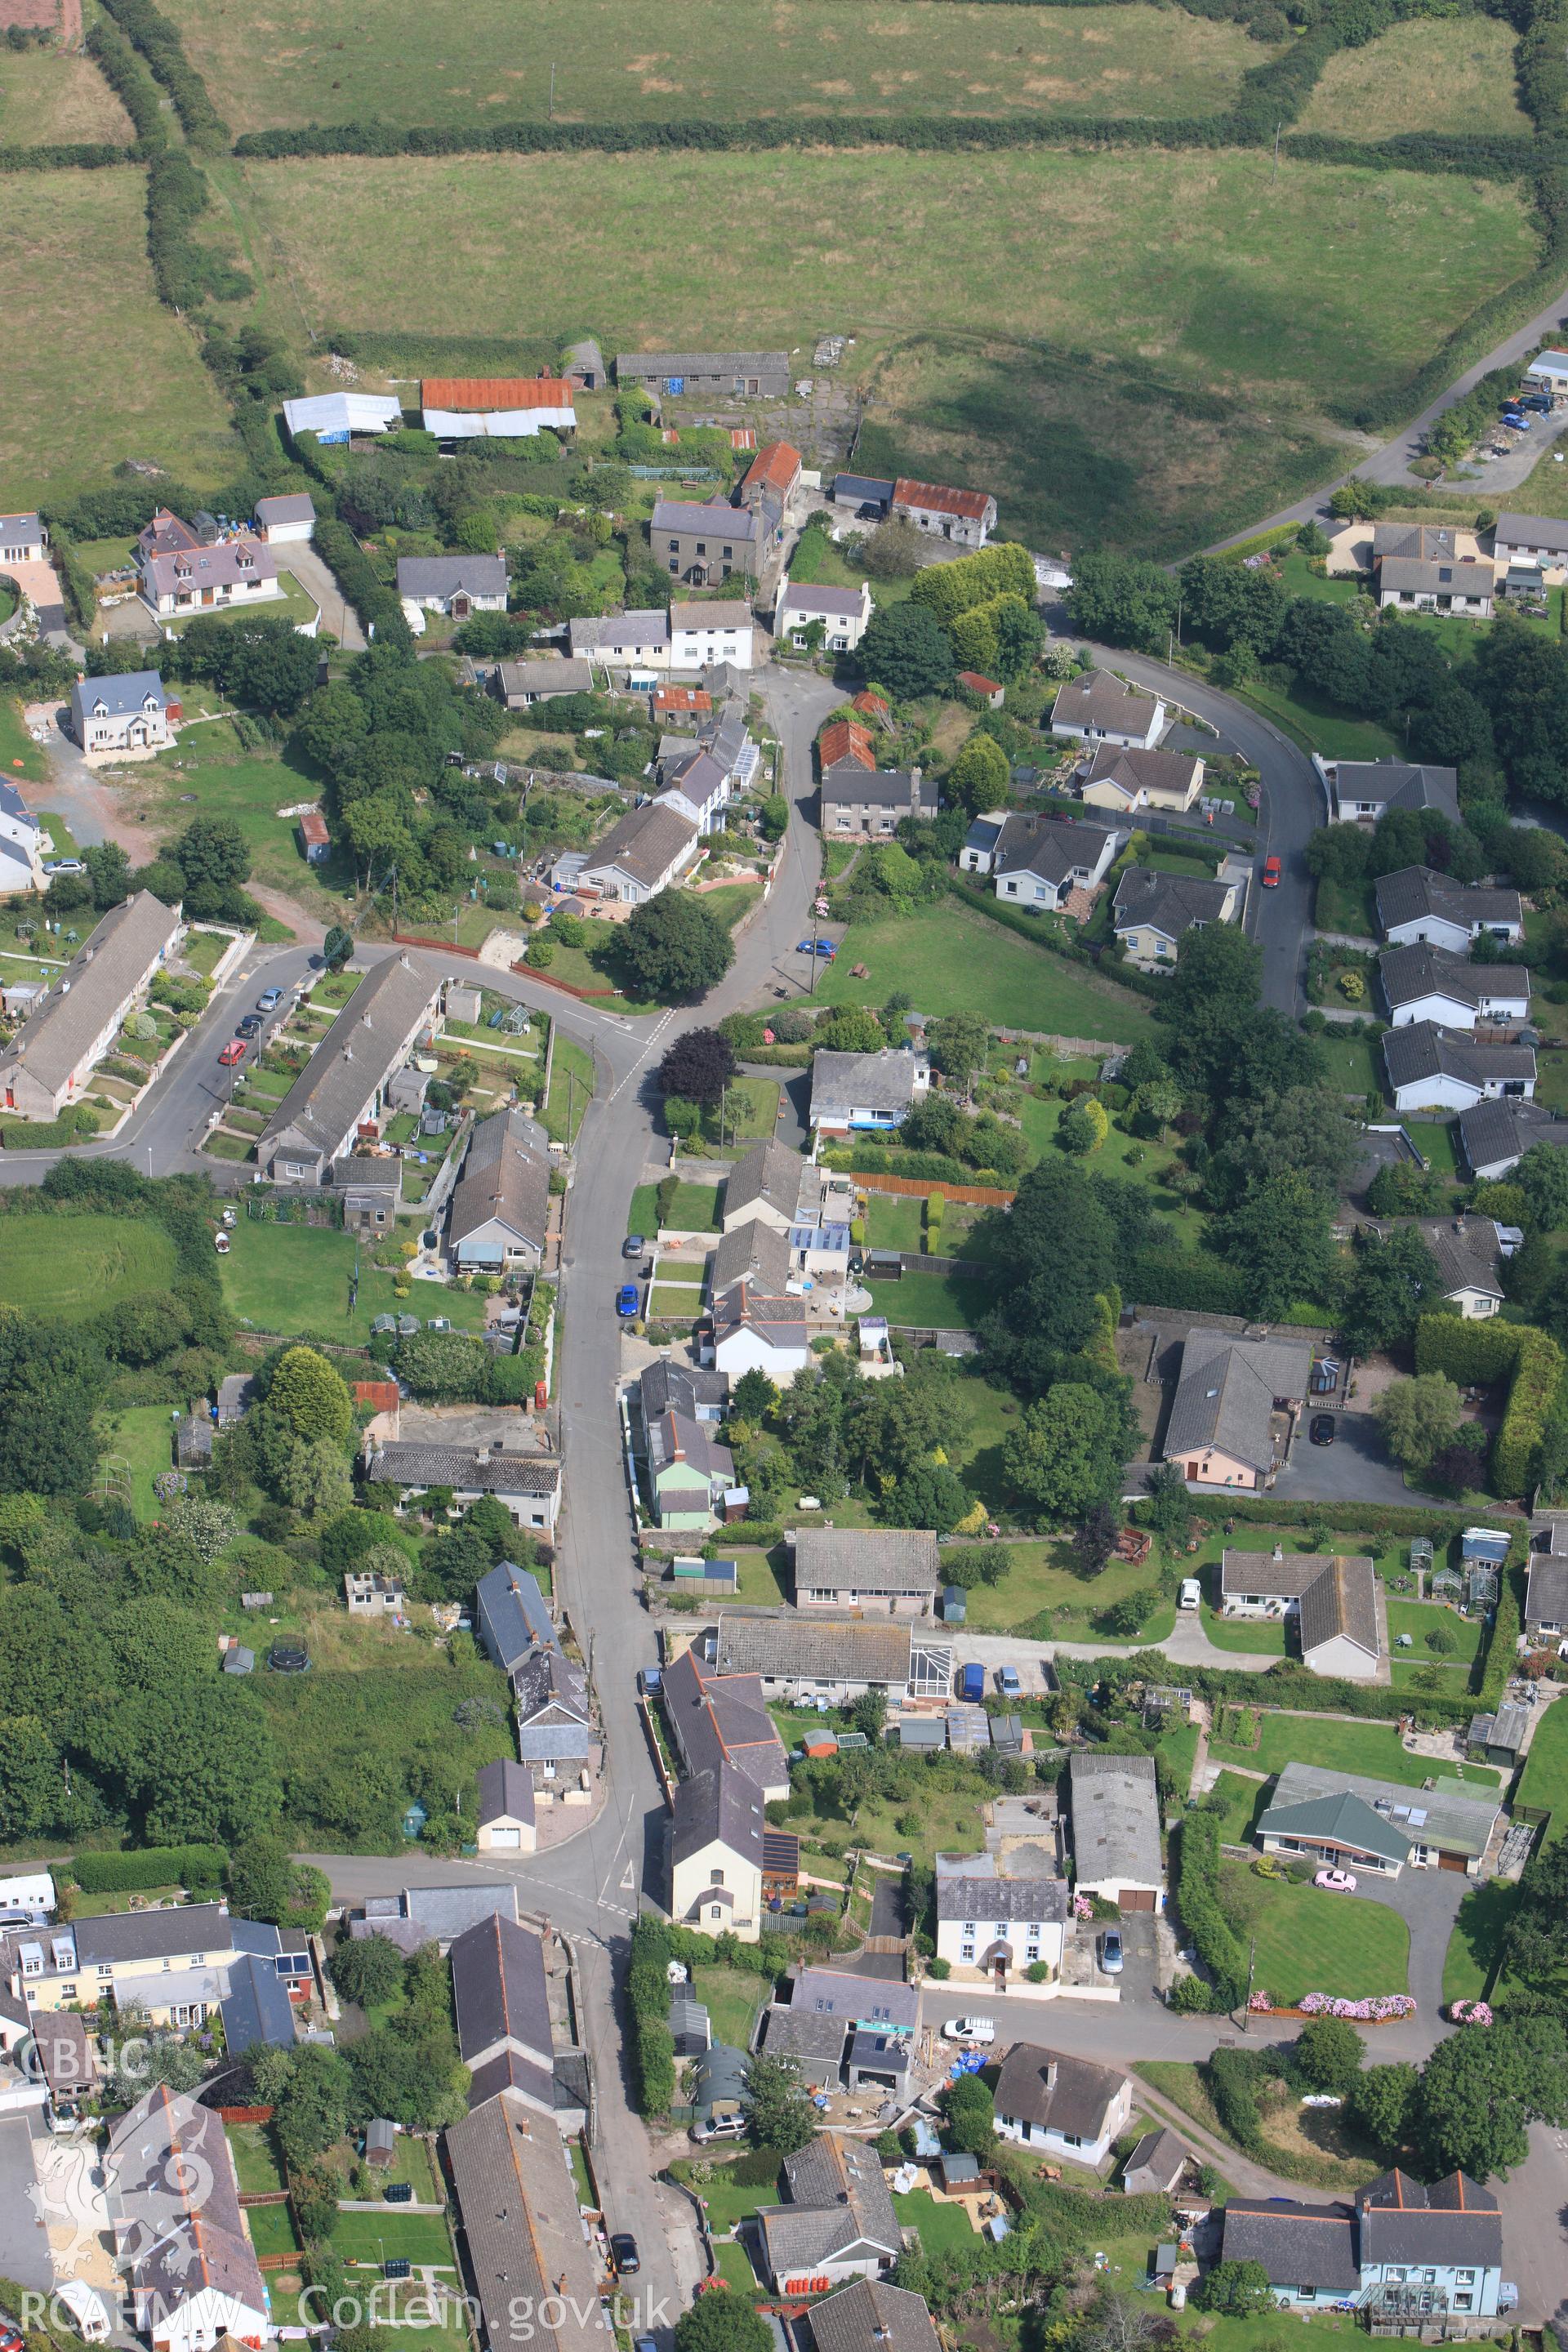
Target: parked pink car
[1337,1882]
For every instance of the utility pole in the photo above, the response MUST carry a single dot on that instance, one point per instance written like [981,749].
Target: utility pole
[1251,1972]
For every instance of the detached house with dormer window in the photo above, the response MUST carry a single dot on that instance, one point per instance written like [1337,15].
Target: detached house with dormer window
[1413,2259]
[126,718]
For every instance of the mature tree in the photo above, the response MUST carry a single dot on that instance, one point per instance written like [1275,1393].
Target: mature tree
[779,2113]
[330,724]
[1522,677]
[980,778]
[1328,2056]
[969,2117]
[1483,2088]
[700,1065]
[1327,650]
[315,1478]
[754,1397]
[1083,1126]
[894,550]
[1393,1281]
[1123,602]
[958,1043]
[1279,1242]
[1542,1176]
[48,1391]
[1070,1451]
[1383,2100]
[107,874]
[722,2321]
[1095,1538]
[1418,1416]
[1213,988]
[337,947]
[1305,1130]
[908,651]
[32,1780]
[311,1396]
[675,946]
[409,2071]
[851,1029]
[1061,1255]
[1234,2290]
[1453,728]
[1167,1508]
[1229,605]
[265,1882]
[213,849]
[1538,1932]
[310,2102]
[934,1123]
[926,1495]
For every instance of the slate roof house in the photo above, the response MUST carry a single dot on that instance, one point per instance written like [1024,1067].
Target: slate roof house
[339,1095]
[1495,1135]
[1546,1581]
[1412,584]
[865,495]
[506,1820]
[501,2001]
[1426,984]
[999,1914]
[1399,2251]
[1125,780]
[521,684]
[1367,788]
[890,1571]
[844,614]
[831,1657]
[860,801]
[70,1028]
[454,585]
[1115,1819]
[1433,1068]
[179,2235]
[123,718]
[641,855]
[1469,1254]
[1333,1600]
[635,640]
[21,849]
[527,1484]
[501,1205]
[1418,906]
[719,1720]
[1061,2105]
[839,2221]
[708,376]
[703,542]
[1097,708]
[715,1854]
[1044,861]
[191,576]
[1378,1825]
[1233,1414]
[528,2247]
[1153,910]
[865,1090]
[668,1386]
[766,1186]
[433,1915]
[872,2315]
[689,1470]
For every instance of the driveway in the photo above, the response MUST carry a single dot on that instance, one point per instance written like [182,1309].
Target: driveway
[1428,1902]
[1354,1469]
[24,2243]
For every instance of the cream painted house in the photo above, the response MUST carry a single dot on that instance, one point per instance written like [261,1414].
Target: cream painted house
[1125,778]
[990,1928]
[716,1853]
[1232,1416]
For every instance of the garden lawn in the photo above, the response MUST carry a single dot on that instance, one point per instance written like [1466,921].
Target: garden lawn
[733,901]
[950,959]
[68,1268]
[272,2230]
[1261,1637]
[1347,907]
[1046,1576]
[258,2159]
[735,2268]
[1476,1944]
[1434,1140]
[1354,1063]
[695,1209]
[763,1577]
[1320,726]
[932,1302]
[729,2201]
[295,1278]
[944,2229]
[1311,1941]
[250,786]
[139,1435]
[642,1217]
[1419,1618]
[21,760]
[731,1998]
[1372,1750]
[1543,1785]
[421,2238]
[896,1221]
[751,1111]
[1244,1801]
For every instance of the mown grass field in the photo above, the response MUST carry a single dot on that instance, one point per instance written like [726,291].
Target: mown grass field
[298,61]
[1374,1750]
[950,959]
[48,98]
[78,403]
[296,1278]
[1309,1941]
[249,786]
[1451,75]
[71,1267]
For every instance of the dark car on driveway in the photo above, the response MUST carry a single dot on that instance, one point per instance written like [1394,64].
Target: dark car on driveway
[1321,1432]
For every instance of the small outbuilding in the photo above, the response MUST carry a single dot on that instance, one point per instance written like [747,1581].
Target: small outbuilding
[380,2143]
[1156,2165]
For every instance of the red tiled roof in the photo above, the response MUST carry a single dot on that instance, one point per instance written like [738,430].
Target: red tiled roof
[875,703]
[938,499]
[775,467]
[843,739]
[482,392]
[976,684]
[313,826]
[682,698]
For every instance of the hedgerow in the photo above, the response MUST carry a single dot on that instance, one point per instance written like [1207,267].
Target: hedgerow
[1203,1922]
[122,68]
[1477,1352]
[160,44]
[192,1867]
[377,605]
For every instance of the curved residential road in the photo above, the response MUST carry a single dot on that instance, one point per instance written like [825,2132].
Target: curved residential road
[1391,462]
[1293,807]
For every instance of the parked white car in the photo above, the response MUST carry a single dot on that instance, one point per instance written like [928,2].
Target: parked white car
[1192,1593]
[975,2032]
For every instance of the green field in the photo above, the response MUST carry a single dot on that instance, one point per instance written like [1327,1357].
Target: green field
[952,959]
[1372,1750]
[71,1267]
[250,787]
[292,1279]
[1309,1941]
[48,98]
[1451,76]
[76,247]
[481,61]
[137,1440]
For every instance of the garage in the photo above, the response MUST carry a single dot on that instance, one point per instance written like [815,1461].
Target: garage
[502,1840]
[1136,1898]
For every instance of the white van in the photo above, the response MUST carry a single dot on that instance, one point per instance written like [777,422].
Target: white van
[975,2032]
[1192,1593]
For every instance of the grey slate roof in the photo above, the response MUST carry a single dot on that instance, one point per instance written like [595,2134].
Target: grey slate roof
[499,1989]
[1044,1898]
[1513,530]
[1455,2220]
[720,1719]
[844,1082]
[528,2250]
[866,1559]
[1168,903]
[1417,892]
[812,2034]
[719,521]
[872,2316]
[1424,1050]
[859,1999]
[846,784]
[755,1254]
[1504,1128]
[400,1464]
[506,1177]
[1343,1819]
[838,2201]
[1225,1395]
[1160,2156]
[154,1935]
[1337,1594]
[801,596]
[1297,2245]
[447,575]
[1049,846]
[636,364]
[1115,1820]
[726,1805]
[615,633]
[819,1648]
[668,1386]
[257,2007]
[1399,784]
[768,1173]
[1138,769]
[290,506]
[1408,973]
[1409,575]
[1546,1592]
[357,1051]
[67,1023]
[545,676]
[1099,699]
[672,1437]
[437,1913]
[1056,2091]
[117,697]
[176,2206]
[644,844]
[506,1793]
[1468,1251]
[513,1618]
[1453,1816]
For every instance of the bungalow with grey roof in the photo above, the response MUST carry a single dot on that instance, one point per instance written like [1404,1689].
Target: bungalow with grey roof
[1232,1416]
[1044,862]
[865,1090]
[1347,1817]
[643,853]
[890,1571]
[521,684]
[1097,708]
[1416,906]
[1433,1068]
[23,538]
[1153,910]
[1333,1599]
[1366,790]
[454,585]
[499,1212]
[870,2315]
[1123,780]
[527,1485]
[840,2222]
[1428,984]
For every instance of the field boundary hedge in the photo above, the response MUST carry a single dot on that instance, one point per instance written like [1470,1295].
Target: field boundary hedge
[151,32]
[158,1865]
[1481,1351]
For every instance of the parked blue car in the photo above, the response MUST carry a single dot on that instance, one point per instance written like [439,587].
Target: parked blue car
[627,1300]
[816,947]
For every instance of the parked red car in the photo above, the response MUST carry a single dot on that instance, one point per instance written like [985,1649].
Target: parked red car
[1271,872]
[232,1053]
